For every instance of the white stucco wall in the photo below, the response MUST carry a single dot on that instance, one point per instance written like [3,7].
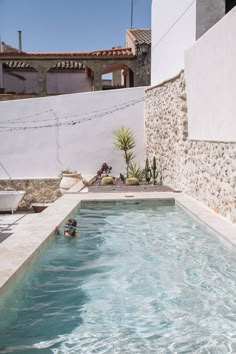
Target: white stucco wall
[83,147]
[168,48]
[211,83]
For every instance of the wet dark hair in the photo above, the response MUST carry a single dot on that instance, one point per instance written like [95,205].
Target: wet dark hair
[71,223]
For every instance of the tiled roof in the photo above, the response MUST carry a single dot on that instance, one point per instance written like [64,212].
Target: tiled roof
[107,53]
[63,65]
[141,36]
[68,65]
[16,65]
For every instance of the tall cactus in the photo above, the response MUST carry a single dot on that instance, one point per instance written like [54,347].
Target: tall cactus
[148,172]
[154,170]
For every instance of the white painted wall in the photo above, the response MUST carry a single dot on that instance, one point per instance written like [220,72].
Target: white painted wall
[84,146]
[56,82]
[211,83]
[168,48]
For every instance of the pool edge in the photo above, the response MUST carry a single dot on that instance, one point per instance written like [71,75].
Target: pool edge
[24,245]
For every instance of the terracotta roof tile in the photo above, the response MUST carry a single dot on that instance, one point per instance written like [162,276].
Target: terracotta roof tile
[63,65]
[117,52]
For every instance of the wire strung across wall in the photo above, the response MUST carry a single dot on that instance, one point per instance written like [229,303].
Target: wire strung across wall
[85,117]
[25,117]
[21,119]
[174,24]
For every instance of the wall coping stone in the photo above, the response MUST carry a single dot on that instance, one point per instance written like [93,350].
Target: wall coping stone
[28,178]
[172,79]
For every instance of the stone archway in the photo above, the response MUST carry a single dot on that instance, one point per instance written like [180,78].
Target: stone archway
[122,75]
[96,63]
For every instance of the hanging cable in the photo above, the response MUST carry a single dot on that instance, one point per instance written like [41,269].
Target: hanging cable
[25,117]
[74,121]
[173,25]
[19,121]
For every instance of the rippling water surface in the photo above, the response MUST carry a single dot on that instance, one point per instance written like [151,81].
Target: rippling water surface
[141,278]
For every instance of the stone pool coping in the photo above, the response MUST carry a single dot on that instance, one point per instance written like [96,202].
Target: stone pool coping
[35,230]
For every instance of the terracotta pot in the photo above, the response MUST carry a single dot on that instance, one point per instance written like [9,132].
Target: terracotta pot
[39,207]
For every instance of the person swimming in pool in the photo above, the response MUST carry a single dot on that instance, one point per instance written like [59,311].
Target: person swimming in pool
[69,228]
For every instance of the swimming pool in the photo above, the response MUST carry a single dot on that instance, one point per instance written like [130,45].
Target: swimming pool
[141,278]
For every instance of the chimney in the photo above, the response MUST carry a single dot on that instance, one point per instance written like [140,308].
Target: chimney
[20,41]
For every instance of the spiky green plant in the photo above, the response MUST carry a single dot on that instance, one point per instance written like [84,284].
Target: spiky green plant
[125,141]
[148,172]
[154,170]
[135,171]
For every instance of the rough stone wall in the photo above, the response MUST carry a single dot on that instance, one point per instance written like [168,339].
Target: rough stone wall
[37,190]
[202,169]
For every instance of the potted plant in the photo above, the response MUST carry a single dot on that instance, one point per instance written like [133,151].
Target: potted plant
[68,180]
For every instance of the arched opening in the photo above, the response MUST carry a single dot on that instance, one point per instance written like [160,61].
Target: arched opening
[69,77]
[229,4]
[117,76]
[18,77]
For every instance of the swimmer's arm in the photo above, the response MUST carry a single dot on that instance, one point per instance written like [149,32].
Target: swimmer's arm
[57,231]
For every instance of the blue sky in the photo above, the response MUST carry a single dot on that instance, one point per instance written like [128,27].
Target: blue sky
[71,25]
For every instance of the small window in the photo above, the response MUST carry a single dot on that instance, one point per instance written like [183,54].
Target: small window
[229,4]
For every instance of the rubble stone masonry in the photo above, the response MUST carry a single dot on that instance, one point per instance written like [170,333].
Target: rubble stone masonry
[37,190]
[204,170]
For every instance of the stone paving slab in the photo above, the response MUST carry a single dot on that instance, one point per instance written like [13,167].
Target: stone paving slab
[9,224]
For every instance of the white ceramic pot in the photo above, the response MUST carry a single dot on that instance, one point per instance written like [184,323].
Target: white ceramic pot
[68,181]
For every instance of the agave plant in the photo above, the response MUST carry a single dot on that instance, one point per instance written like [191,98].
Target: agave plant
[124,141]
[135,171]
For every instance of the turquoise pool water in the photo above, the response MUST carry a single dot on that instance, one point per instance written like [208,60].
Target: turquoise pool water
[141,278]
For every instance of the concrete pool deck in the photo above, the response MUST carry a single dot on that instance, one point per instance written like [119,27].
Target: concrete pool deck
[34,230]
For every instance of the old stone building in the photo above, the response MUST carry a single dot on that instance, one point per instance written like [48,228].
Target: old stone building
[56,73]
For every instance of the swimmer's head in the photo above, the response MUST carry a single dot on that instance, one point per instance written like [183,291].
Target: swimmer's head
[70,227]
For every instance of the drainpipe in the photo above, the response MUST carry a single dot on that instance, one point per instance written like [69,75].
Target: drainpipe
[20,41]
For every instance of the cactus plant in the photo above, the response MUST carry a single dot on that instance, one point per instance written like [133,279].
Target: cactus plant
[148,172]
[154,170]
